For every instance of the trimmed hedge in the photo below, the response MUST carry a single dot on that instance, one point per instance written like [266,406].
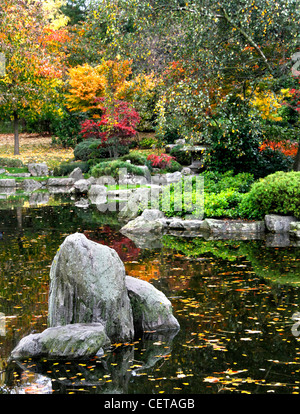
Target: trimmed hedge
[111,169]
[277,193]
[65,168]
[11,162]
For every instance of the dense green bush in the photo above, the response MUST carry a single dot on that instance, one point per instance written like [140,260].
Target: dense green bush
[214,182]
[135,158]
[173,166]
[66,130]
[277,193]
[176,201]
[223,204]
[147,142]
[89,149]
[111,169]
[183,157]
[65,168]
[10,162]
[223,194]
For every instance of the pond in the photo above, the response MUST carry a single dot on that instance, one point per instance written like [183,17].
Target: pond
[236,302]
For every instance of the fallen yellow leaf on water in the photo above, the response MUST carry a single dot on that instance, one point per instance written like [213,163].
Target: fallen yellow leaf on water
[211,379]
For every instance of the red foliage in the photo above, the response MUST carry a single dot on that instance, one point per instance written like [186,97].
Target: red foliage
[286,147]
[160,161]
[125,247]
[296,99]
[116,122]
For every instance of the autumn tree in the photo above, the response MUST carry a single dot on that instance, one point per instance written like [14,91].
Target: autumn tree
[33,71]
[88,82]
[116,127]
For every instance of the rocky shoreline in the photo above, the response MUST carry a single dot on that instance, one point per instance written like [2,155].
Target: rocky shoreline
[130,202]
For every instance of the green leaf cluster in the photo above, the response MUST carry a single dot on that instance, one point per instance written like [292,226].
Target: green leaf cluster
[277,193]
[112,169]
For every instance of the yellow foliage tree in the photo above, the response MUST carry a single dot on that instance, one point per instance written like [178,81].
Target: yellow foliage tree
[86,83]
[267,103]
[109,80]
[102,81]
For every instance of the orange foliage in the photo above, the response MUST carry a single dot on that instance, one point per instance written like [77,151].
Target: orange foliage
[286,147]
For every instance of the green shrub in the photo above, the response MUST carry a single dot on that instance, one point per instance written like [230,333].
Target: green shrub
[147,142]
[214,182]
[135,158]
[183,157]
[223,204]
[176,201]
[277,193]
[66,130]
[111,169]
[172,131]
[89,149]
[173,167]
[65,168]
[10,162]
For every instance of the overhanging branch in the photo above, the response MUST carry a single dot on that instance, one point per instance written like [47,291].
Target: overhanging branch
[248,38]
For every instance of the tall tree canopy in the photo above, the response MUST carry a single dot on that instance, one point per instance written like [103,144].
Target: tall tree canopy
[33,62]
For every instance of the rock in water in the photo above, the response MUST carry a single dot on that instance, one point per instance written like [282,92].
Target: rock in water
[69,341]
[87,284]
[152,310]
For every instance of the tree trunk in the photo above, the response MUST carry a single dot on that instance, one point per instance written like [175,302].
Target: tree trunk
[296,166]
[16,134]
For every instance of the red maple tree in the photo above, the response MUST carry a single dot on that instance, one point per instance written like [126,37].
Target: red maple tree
[116,127]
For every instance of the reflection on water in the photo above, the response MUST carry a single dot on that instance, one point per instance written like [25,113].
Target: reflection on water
[235,301]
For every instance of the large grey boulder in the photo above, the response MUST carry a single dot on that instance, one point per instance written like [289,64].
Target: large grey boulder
[87,284]
[93,304]
[278,224]
[147,222]
[173,177]
[152,310]
[38,169]
[185,225]
[69,341]
[82,186]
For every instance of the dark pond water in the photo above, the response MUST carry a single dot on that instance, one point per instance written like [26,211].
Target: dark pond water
[236,302]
